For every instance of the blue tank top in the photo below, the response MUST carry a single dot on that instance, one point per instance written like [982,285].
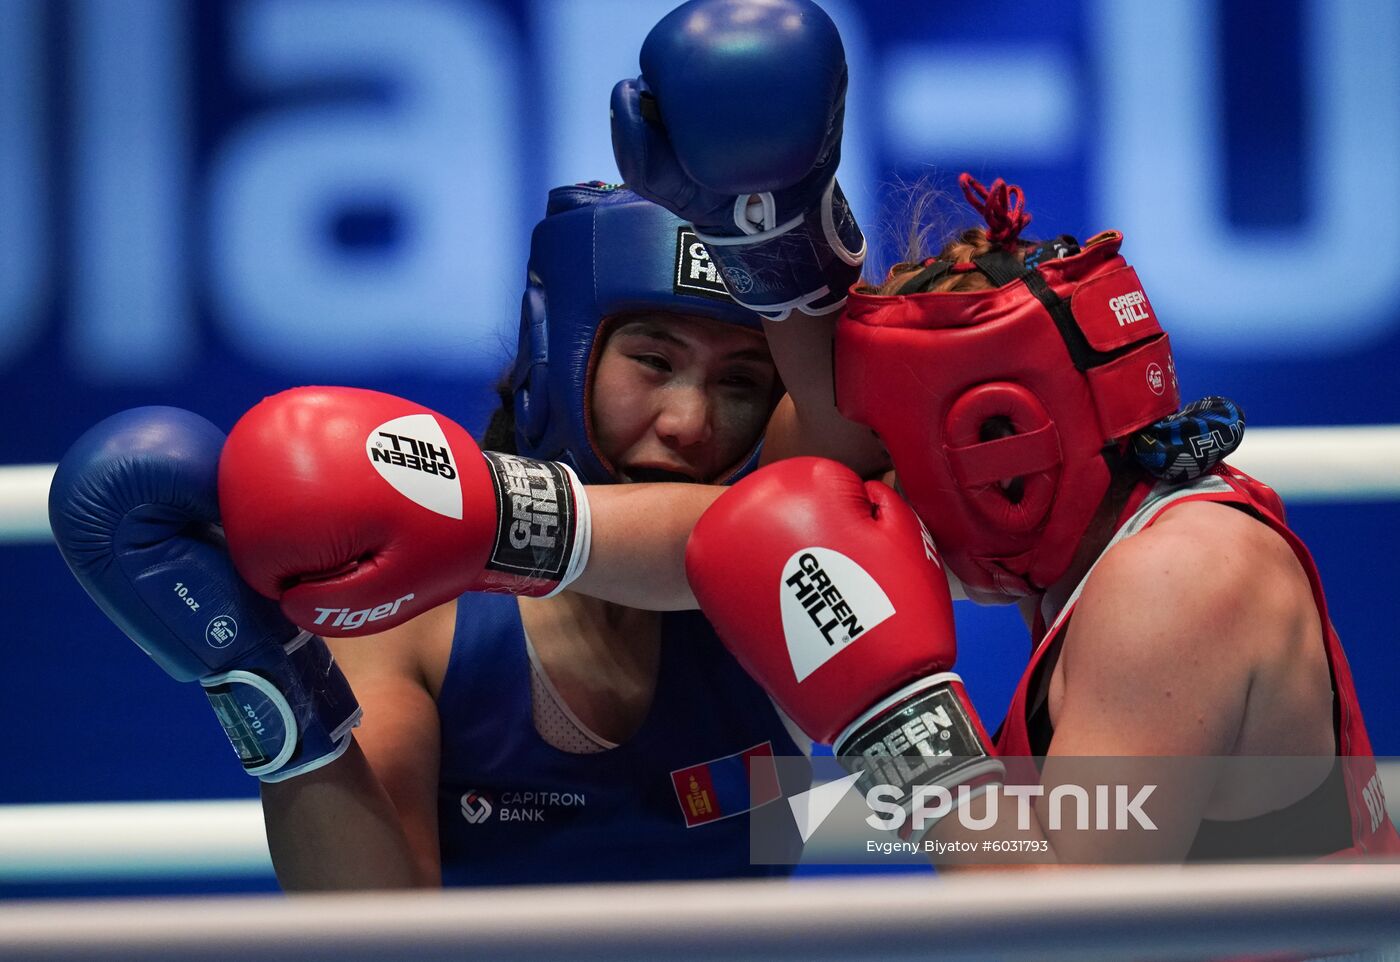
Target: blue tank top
[514,809]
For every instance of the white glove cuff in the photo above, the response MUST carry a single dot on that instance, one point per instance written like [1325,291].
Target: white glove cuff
[583,534]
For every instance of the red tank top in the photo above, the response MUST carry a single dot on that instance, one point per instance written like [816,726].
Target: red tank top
[1371,830]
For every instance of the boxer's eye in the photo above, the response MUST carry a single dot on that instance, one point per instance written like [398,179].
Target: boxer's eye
[740,381]
[654,361]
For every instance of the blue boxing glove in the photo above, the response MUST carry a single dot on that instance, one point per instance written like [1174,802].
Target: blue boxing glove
[735,126]
[135,510]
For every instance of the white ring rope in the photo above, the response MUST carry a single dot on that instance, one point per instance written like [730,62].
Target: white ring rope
[1302,464]
[24,502]
[1324,464]
[220,839]
[132,840]
[1156,913]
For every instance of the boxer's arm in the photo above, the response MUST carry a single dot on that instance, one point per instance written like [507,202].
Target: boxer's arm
[1176,678]
[1158,669]
[637,557]
[336,829]
[807,421]
[369,821]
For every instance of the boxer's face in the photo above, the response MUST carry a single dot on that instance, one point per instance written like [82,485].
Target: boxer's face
[680,396]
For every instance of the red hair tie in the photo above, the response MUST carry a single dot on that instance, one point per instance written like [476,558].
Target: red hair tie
[1002,206]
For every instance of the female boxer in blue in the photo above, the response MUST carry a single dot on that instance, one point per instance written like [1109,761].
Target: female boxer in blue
[503,739]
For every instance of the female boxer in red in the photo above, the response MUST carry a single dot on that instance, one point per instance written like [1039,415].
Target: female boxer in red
[1026,396]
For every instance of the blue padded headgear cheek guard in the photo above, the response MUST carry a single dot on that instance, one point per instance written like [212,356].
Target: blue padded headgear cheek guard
[531,358]
[599,252]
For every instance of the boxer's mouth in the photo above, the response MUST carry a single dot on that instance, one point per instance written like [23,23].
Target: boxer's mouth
[641,473]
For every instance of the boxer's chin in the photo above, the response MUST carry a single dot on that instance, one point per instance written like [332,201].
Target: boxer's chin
[657,475]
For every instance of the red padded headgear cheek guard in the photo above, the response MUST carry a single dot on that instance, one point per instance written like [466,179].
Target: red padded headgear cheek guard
[1067,367]
[980,465]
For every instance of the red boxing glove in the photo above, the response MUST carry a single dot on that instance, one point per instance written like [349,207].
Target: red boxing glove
[828,591]
[359,510]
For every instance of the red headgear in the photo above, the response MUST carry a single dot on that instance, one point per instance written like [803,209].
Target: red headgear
[1038,379]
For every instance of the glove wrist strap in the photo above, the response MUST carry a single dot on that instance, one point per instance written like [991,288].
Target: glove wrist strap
[925,734]
[287,710]
[544,527]
[807,263]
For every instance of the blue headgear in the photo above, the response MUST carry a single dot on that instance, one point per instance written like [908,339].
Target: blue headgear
[600,251]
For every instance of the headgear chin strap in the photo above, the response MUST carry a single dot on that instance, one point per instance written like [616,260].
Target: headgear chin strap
[1005,409]
[601,251]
